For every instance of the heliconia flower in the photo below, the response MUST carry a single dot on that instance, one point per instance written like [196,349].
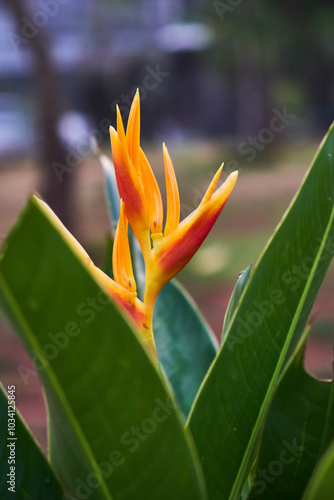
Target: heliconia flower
[165,252]
[123,290]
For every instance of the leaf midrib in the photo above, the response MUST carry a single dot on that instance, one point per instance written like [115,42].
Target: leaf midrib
[89,455]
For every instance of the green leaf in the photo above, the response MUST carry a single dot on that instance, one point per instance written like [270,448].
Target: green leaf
[322,483]
[114,430]
[298,427]
[242,281]
[112,195]
[232,404]
[185,345]
[31,475]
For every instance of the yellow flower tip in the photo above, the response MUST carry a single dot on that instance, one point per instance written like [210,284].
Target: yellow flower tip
[121,258]
[222,194]
[219,171]
[172,192]
[112,133]
[230,181]
[235,175]
[133,131]
[120,127]
[212,186]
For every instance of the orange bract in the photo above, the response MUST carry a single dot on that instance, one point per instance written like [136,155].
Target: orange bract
[121,258]
[173,197]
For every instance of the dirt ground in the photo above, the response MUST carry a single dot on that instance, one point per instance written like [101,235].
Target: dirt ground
[18,180]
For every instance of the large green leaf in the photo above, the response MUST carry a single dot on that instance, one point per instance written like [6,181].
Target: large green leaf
[322,483]
[114,430]
[25,472]
[185,344]
[231,406]
[299,426]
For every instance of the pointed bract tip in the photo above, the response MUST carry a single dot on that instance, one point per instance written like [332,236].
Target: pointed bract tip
[136,99]
[118,112]
[234,175]
[219,171]
[173,197]
[212,186]
[120,127]
[112,131]
[231,180]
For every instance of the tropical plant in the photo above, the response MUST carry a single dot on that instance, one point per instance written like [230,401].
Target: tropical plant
[147,406]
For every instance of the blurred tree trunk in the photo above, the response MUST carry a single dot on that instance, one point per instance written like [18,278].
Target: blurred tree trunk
[249,88]
[46,86]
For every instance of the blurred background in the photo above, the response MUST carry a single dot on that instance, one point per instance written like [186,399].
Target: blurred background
[248,83]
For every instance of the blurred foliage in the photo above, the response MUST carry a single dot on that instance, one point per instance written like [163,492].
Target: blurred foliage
[291,43]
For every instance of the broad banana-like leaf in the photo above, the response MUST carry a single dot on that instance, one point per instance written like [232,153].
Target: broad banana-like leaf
[231,406]
[115,432]
[299,426]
